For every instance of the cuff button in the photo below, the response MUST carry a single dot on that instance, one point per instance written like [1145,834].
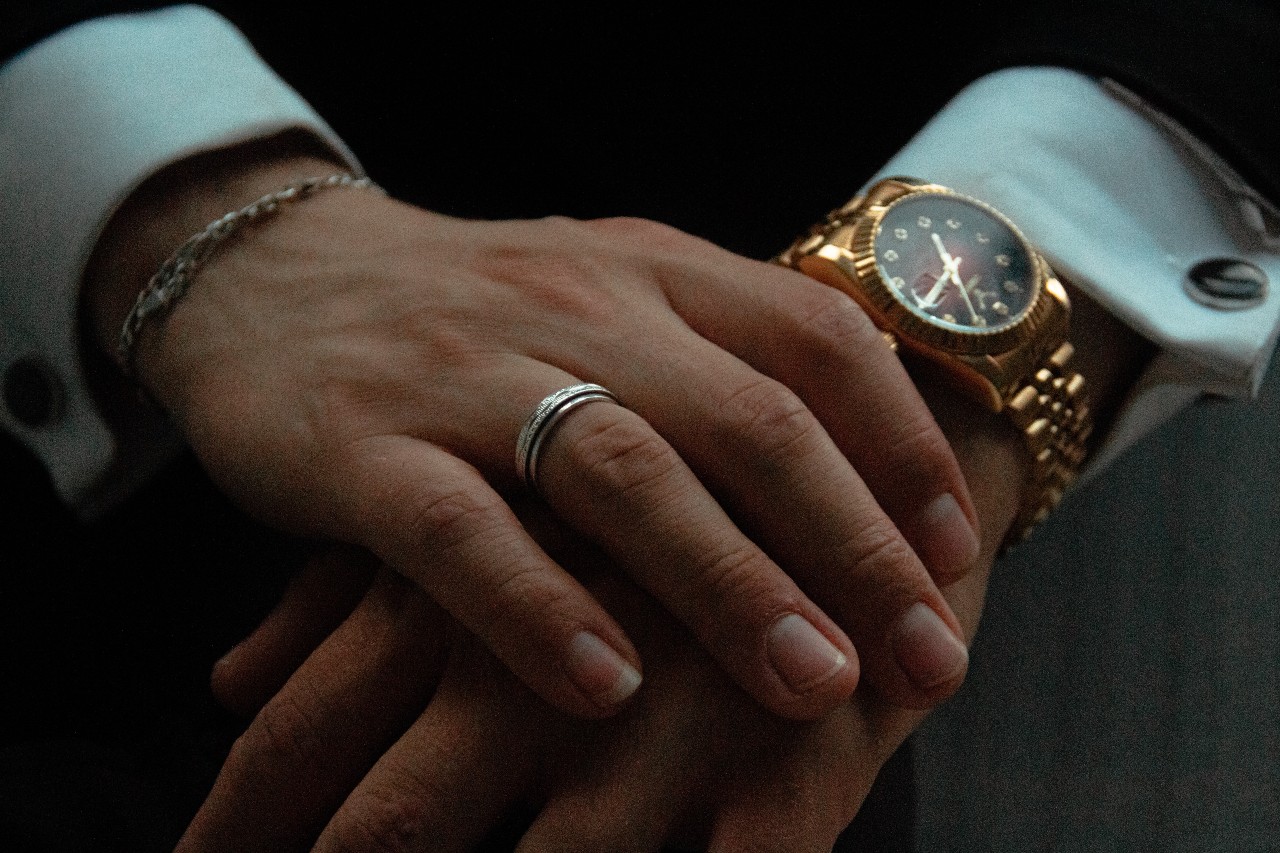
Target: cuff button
[1227,284]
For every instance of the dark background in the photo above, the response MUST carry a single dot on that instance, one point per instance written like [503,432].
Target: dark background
[741,130]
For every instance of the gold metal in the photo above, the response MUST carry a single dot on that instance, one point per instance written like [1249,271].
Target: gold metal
[1020,369]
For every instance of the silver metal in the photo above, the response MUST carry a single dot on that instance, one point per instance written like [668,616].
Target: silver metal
[173,279]
[1228,284]
[545,416]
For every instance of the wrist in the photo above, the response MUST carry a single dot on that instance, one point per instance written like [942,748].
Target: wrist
[992,453]
[169,208]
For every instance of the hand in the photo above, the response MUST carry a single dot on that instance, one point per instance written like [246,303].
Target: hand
[625,783]
[692,760]
[359,369]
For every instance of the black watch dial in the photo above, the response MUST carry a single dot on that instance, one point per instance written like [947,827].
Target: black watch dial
[955,263]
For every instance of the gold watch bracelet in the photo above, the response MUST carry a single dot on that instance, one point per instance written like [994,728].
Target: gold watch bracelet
[1051,411]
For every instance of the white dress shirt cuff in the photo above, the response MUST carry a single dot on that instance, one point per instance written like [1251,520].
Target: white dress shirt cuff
[1124,203]
[85,117]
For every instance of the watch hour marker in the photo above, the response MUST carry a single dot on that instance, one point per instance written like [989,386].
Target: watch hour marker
[953,224]
[1000,308]
[1002,260]
[1012,287]
[924,222]
[981,238]
[949,318]
[979,320]
[898,282]
[891,256]
[900,233]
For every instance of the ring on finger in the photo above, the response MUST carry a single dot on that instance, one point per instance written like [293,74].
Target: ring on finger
[546,415]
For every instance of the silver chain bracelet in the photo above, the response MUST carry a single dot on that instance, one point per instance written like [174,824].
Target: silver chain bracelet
[173,279]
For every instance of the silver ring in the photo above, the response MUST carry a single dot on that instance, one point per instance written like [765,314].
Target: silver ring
[545,416]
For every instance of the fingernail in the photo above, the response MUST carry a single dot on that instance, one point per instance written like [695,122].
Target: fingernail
[801,655]
[926,649]
[599,671]
[947,542]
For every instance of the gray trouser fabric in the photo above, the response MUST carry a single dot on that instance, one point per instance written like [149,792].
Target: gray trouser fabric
[1125,688]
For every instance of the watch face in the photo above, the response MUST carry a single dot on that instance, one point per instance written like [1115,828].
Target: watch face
[955,263]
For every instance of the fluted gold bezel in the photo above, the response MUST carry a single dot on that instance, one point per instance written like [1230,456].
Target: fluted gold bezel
[889,312]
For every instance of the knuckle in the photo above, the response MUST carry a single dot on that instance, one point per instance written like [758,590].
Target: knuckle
[389,818]
[638,230]
[834,326]
[742,580]
[287,732]
[770,419]
[882,564]
[922,454]
[451,518]
[521,599]
[620,456]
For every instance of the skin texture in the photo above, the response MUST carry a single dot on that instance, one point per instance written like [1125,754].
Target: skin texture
[417,721]
[358,369]
[691,761]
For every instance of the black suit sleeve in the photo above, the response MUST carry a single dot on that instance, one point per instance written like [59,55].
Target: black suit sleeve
[1214,66]
[26,22]
[620,103]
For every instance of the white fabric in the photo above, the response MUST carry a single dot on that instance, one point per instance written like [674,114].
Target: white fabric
[1124,203]
[85,116]
[1121,200]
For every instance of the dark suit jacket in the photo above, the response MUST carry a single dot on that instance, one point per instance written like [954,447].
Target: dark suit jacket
[689,116]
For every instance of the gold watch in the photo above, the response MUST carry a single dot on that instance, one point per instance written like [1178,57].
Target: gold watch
[951,278]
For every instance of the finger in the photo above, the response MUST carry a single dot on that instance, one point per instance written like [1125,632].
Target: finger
[626,788]
[309,746]
[817,777]
[616,479]
[758,445]
[818,342]
[896,445]
[612,477]
[762,825]
[448,780]
[432,517]
[673,538]
[315,602]
[627,817]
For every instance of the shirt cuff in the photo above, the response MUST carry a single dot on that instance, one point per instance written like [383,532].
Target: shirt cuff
[1124,202]
[85,117]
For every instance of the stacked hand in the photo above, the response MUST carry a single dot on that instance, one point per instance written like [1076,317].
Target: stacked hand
[362,750]
[359,369]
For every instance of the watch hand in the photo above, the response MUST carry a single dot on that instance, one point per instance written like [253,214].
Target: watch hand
[931,299]
[953,269]
[942,250]
[955,276]
[950,270]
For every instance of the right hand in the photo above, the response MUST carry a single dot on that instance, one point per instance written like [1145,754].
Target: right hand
[401,733]
[359,369]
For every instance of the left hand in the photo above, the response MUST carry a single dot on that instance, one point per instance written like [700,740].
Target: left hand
[339,754]
[359,369]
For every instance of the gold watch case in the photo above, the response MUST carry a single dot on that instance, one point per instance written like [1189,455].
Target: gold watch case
[990,365]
